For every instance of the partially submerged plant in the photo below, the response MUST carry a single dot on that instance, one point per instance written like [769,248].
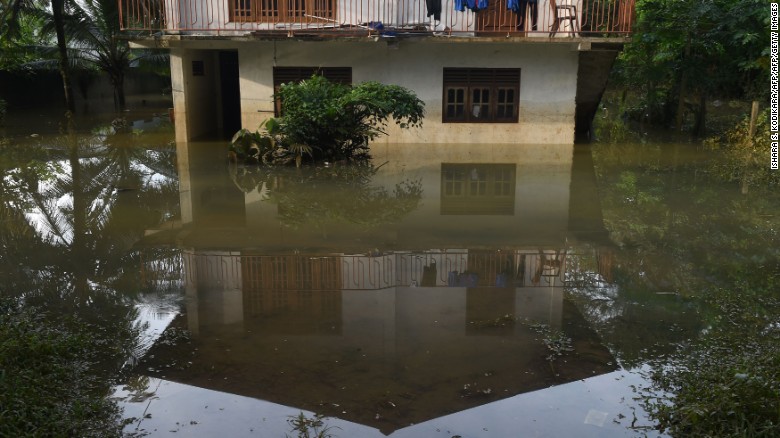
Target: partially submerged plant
[310,427]
[300,149]
[328,121]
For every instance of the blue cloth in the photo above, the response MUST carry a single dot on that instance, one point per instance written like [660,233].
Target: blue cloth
[514,5]
[474,5]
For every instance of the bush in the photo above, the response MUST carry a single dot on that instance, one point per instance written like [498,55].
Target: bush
[328,121]
[745,158]
[726,384]
[47,384]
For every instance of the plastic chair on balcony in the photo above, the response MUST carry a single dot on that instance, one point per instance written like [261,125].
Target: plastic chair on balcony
[565,13]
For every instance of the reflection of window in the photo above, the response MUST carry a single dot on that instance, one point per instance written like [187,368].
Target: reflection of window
[478,189]
[481,95]
[284,75]
[282,10]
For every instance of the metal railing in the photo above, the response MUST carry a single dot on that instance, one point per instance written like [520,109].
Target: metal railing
[388,18]
[453,268]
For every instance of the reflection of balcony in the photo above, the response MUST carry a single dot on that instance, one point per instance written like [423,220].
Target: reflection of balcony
[377,17]
[392,321]
[318,272]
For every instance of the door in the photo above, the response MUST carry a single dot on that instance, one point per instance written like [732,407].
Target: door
[231,93]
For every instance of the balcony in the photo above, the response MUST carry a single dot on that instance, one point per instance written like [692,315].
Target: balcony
[387,18]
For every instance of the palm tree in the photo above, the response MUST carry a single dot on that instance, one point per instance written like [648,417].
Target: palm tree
[76,220]
[11,12]
[93,29]
[86,33]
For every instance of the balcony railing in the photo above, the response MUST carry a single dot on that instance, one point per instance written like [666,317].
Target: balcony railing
[546,18]
[291,272]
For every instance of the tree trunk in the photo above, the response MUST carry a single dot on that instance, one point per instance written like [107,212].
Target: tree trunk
[58,8]
[681,102]
[683,86]
[745,183]
[700,128]
[78,247]
[118,81]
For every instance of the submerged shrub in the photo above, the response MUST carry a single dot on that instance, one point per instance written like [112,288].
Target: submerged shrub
[745,158]
[322,120]
[47,384]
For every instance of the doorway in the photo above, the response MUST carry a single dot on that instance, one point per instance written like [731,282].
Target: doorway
[231,93]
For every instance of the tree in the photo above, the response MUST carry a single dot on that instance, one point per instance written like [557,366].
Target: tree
[11,16]
[93,29]
[687,51]
[14,53]
[330,121]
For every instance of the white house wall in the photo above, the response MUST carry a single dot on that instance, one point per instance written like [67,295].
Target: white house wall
[548,82]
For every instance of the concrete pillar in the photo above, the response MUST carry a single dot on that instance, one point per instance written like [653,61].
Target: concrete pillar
[196,94]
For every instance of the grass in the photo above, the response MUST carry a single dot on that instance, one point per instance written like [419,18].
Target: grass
[48,386]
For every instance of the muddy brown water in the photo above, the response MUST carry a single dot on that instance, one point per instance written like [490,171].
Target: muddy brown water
[449,290]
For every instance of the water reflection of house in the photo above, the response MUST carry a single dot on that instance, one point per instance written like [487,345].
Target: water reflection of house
[443,310]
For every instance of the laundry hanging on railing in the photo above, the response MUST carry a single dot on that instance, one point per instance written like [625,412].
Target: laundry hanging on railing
[474,5]
[434,8]
[519,7]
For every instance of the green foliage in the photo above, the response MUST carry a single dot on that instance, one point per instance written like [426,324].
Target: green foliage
[17,52]
[743,157]
[696,290]
[336,121]
[611,129]
[91,30]
[322,196]
[726,384]
[310,427]
[266,146]
[48,386]
[695,49]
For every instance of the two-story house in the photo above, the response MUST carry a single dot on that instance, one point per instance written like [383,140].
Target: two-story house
[489,71]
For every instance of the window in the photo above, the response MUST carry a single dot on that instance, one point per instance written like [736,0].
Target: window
[282,11]
[198,68]
[481,95]
[284,75]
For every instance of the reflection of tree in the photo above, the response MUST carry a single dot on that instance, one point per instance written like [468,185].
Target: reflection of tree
[679,227]
[91,213]
[331,194]
[694,289]
[68,229]
[679,231]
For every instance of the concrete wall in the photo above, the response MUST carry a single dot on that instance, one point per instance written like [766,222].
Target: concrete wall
[195,98]
[548,83]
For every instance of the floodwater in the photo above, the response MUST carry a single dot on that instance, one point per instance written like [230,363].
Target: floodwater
[446,290]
